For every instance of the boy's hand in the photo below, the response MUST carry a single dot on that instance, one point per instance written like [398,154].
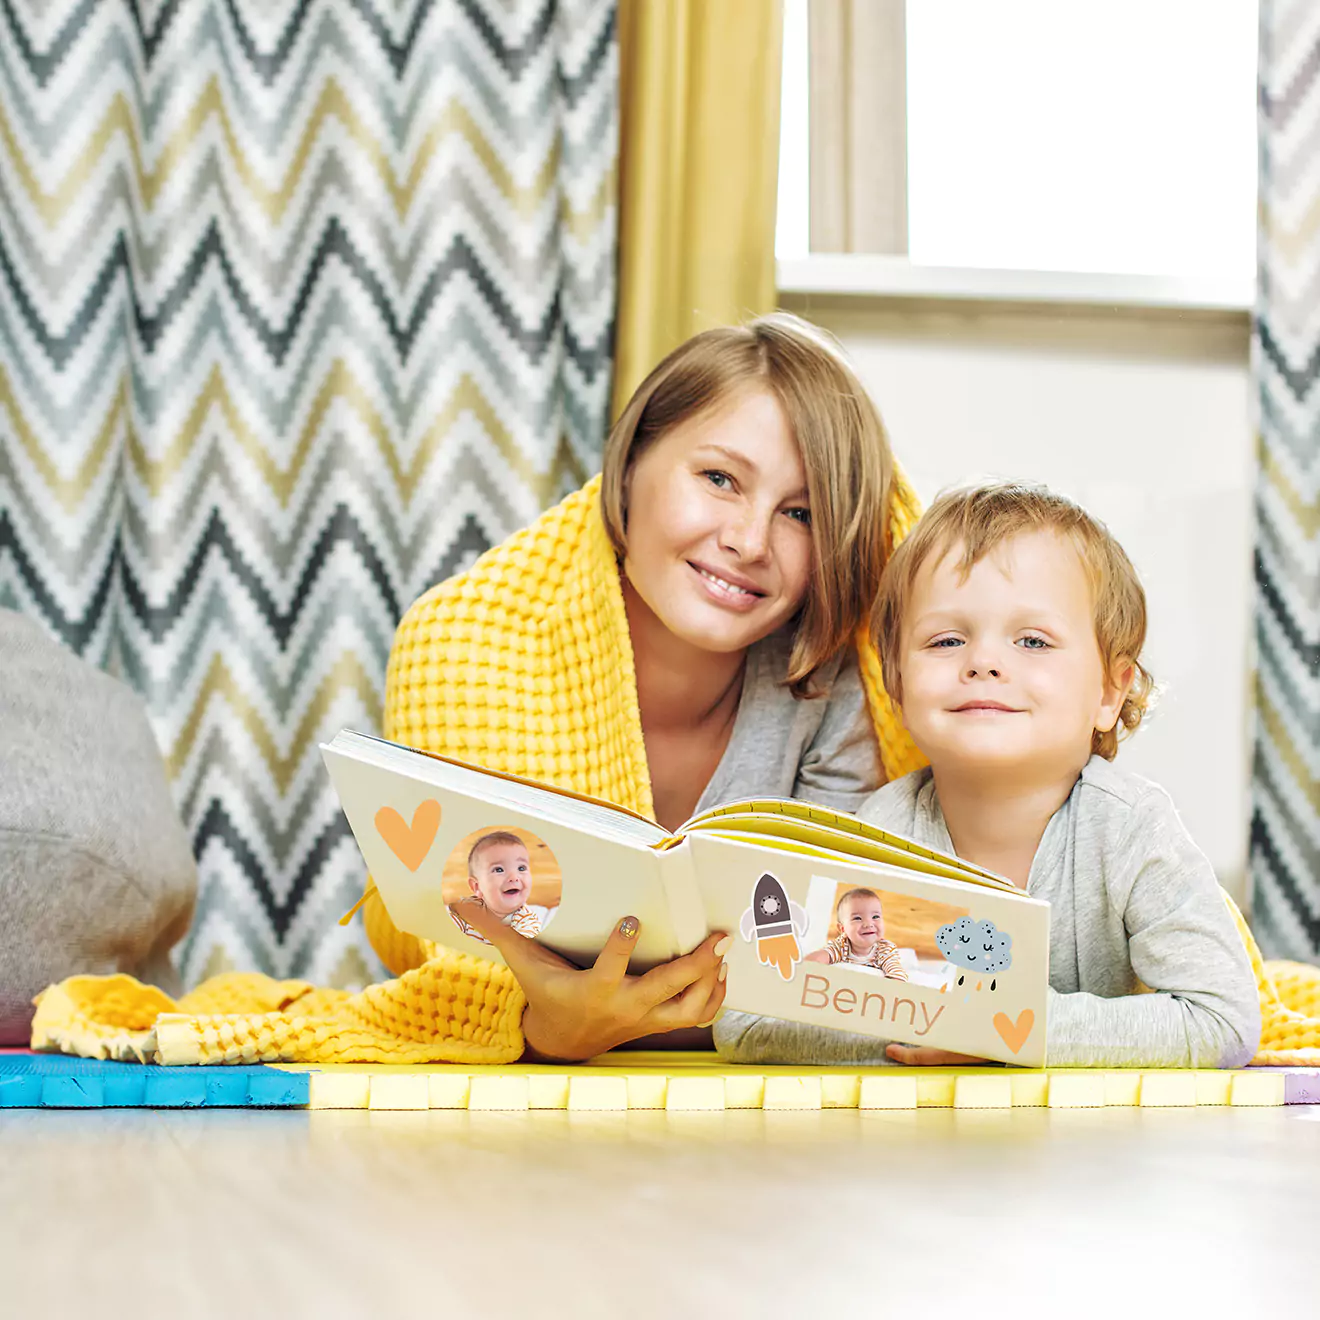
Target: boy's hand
[923,1056]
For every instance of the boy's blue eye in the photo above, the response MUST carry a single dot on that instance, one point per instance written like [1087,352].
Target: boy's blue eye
[1034,644]
[946,643]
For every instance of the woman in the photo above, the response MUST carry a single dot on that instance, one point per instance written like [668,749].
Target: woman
[678,633]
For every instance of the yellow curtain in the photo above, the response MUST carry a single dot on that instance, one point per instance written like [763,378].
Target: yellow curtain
[698,172]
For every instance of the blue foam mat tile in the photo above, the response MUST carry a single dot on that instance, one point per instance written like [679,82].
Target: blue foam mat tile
[58,1081]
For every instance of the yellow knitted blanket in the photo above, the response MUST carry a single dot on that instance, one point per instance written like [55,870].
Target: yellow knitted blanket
[523,664]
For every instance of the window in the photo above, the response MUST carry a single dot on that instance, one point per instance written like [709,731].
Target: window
[1114,137]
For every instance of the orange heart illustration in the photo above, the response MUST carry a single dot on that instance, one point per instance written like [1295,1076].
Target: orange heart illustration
[410,843]
[1014,1034]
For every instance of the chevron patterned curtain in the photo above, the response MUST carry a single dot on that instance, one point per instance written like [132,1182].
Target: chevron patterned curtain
[1285,823]
[302,306]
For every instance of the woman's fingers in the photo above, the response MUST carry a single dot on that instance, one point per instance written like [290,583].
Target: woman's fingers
[611,963]
[694,1007]
[664,983]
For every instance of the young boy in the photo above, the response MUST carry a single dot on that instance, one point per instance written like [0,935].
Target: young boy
[500,876]
[1010,626]
[861,937]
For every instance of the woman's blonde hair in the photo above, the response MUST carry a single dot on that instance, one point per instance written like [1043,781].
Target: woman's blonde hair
[845,453]
[979,518]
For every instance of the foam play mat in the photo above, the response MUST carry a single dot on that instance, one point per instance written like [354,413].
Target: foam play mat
[630,1080]
[59,1081]
[676,1082]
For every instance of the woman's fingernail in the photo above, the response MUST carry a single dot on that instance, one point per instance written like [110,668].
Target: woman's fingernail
[629,927]
[723,946]
[724,970]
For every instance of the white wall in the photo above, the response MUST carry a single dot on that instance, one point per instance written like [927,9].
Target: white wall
[1146,419]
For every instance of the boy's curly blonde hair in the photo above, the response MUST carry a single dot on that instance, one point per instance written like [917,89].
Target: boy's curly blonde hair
[978,519]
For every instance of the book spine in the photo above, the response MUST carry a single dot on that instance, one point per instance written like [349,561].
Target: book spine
[687,912]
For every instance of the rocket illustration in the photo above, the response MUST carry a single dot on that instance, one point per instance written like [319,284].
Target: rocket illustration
[775,922]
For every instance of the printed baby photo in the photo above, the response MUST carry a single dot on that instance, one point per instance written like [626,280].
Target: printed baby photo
[894,935]
[508,870]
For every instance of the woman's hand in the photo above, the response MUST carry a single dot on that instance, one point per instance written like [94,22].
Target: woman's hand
[574,1014]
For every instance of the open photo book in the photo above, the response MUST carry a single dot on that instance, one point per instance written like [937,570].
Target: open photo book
[836,924]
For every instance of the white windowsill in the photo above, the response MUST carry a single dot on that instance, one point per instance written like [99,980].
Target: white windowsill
[859,275]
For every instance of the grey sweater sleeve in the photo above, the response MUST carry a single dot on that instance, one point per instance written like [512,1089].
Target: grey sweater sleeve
[1182,943]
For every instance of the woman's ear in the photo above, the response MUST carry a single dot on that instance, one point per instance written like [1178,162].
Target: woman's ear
[1118,684]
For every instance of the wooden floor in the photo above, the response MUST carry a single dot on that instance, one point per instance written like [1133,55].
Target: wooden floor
[963,1215]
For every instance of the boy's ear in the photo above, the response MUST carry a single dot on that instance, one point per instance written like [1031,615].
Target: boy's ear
[472,882]
[1117,686]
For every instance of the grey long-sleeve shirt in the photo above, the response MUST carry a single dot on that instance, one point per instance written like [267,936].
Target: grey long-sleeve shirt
[1134,904]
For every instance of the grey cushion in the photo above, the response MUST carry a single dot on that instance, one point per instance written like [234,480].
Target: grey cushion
[96,874]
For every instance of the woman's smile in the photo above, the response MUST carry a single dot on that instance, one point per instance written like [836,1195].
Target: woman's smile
[729,591]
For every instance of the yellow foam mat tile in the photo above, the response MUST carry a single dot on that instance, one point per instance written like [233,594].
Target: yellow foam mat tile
[1122,1089]
[1214,1088]
[402,1090]
[1256,1088]
[547,1091]
[888,1091]
[681,1082]
[792,1093]
[1168,1090]
[983,1091]
[840,1091]
[1077,1090]
[339,1090]
[1030,1089]
[651,1091]
[499,1091]
[595,1093]
[744,1090]
[699,1093]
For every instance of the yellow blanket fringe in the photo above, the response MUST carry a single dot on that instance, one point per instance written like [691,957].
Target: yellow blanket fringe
[453,1010]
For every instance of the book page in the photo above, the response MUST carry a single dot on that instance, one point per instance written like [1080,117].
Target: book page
[789,818]
[435,840]
[603,818]
[887,949]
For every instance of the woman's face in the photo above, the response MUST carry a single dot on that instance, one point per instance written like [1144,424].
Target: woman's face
[719,528]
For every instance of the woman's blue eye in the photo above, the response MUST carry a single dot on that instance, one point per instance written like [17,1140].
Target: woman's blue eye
[720,480]
[800,515]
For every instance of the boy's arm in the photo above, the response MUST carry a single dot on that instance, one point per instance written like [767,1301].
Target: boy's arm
[1183,945]
[752,1038]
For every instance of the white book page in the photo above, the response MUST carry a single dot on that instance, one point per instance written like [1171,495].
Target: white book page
[602,819]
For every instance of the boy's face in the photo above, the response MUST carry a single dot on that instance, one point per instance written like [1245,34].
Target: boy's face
[501,876]
[862,920]
[1002,671]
